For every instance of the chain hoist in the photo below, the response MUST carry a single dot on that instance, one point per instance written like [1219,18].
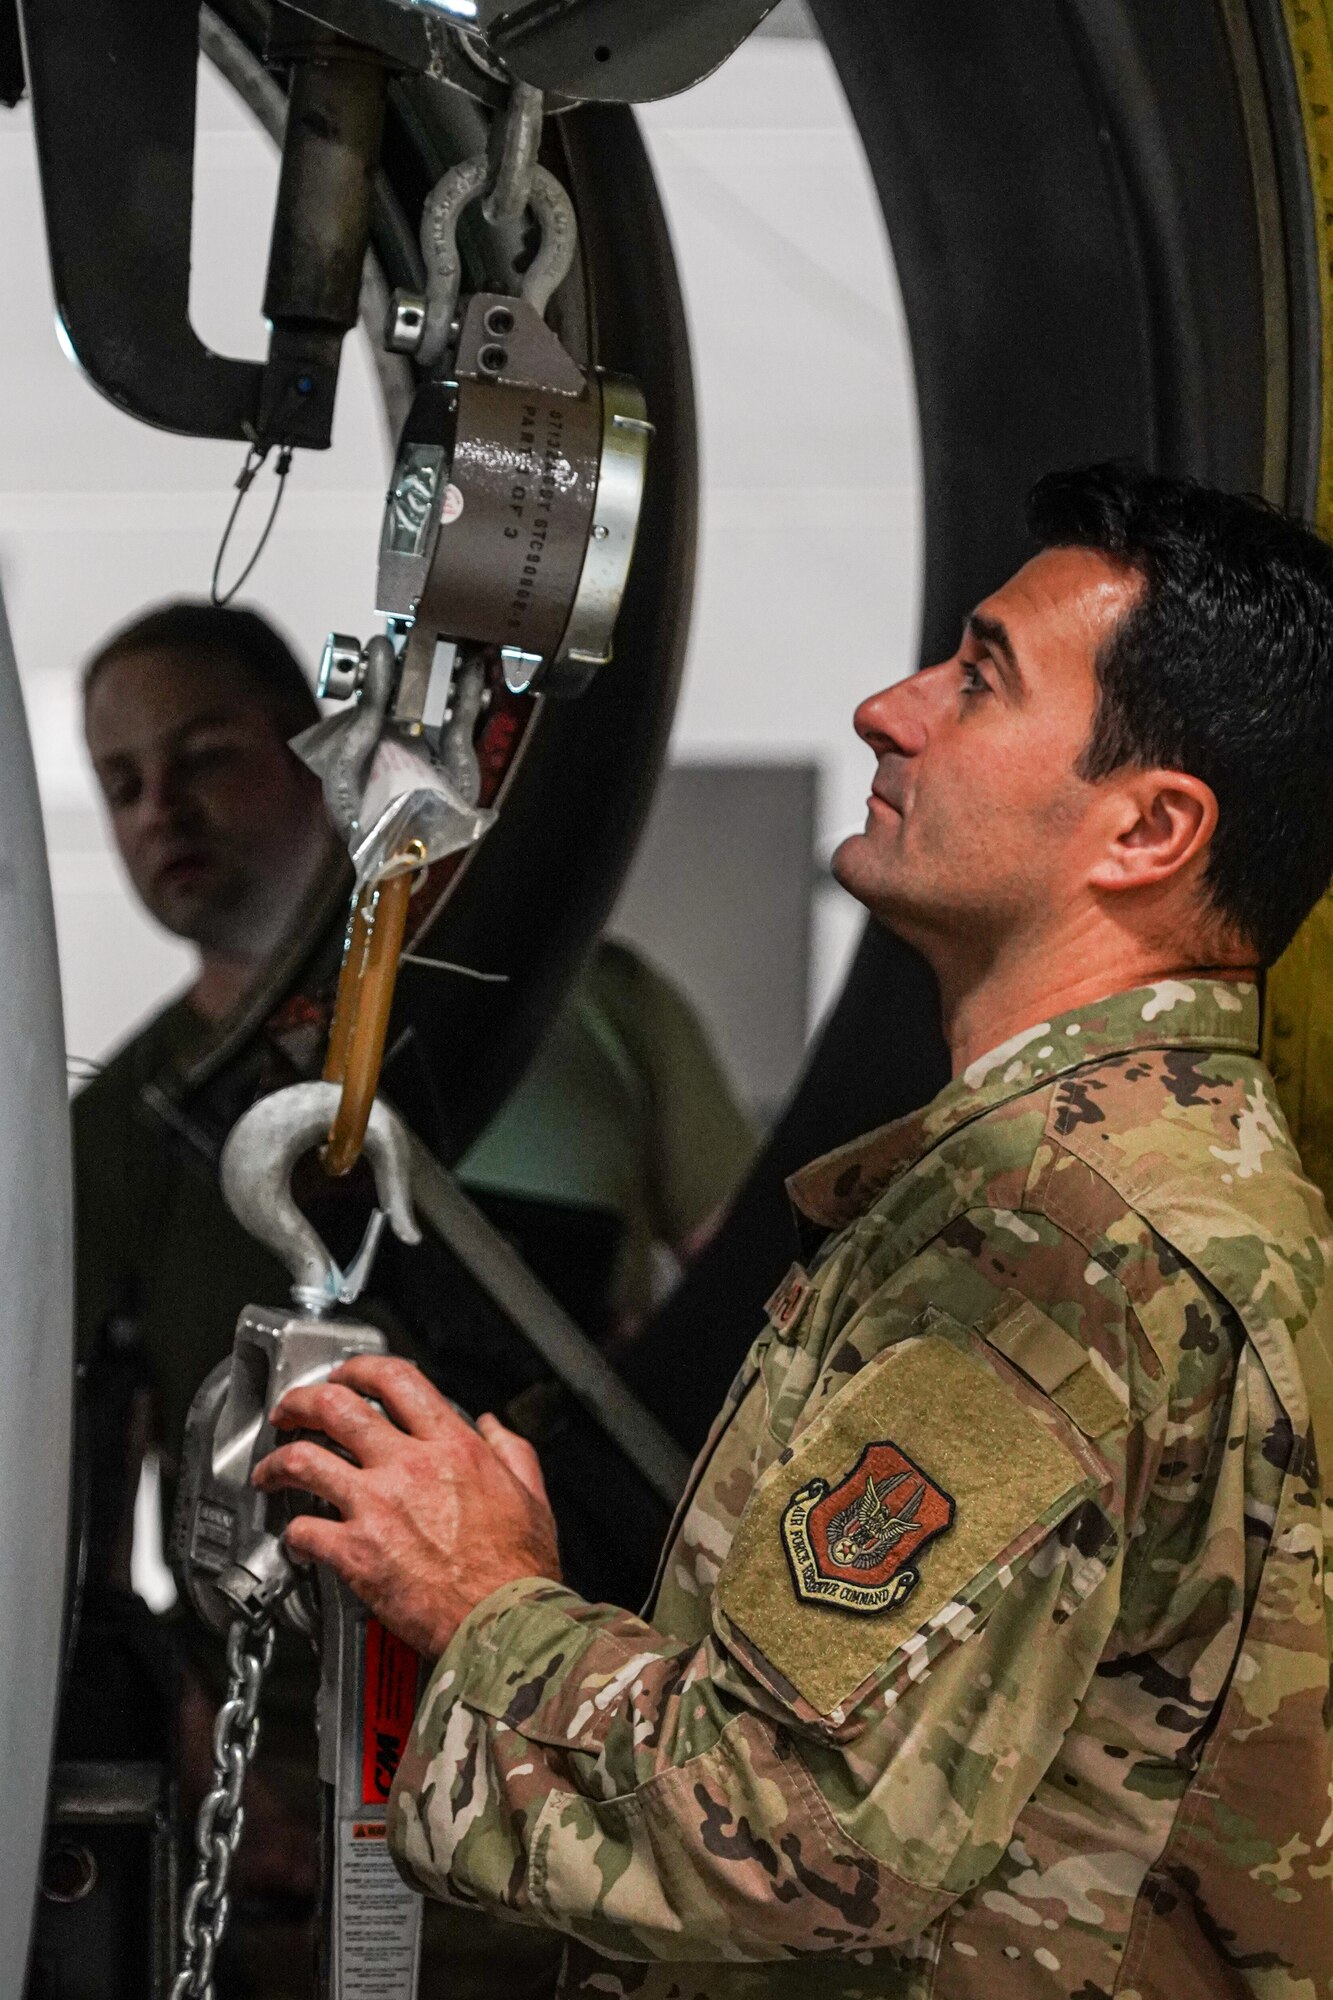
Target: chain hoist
[232,1567]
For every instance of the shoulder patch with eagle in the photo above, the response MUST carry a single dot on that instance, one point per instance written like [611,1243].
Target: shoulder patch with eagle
[854,1545]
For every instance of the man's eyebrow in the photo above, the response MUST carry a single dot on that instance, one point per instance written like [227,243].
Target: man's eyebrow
[179,732]
[196,725]
[990,632]
[218,718]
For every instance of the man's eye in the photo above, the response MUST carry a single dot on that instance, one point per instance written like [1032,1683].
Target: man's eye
[974,681]
[205,757]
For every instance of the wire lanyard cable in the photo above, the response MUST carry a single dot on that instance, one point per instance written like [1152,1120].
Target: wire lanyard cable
[255,459]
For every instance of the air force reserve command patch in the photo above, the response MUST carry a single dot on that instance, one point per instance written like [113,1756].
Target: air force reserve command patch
[901,1514]
[854,1544]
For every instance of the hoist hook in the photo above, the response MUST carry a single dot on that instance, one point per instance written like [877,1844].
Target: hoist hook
[257,1161]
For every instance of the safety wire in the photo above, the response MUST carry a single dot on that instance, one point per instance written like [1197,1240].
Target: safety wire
[255,459]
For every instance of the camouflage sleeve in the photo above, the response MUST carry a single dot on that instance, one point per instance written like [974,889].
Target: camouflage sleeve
[805,1777]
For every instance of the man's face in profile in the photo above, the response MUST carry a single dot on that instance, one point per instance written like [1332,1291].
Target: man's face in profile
[210,810]
[979,824]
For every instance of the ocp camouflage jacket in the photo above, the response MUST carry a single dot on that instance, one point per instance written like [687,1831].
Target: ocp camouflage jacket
[991,1652]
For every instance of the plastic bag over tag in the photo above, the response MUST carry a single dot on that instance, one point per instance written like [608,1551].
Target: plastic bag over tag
[412,813]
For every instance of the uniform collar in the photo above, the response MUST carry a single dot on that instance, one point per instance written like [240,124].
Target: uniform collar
[1197,1013]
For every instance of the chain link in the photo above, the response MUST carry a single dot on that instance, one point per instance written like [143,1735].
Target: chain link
[221,1818]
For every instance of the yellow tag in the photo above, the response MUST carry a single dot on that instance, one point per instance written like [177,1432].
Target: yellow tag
[925,1470]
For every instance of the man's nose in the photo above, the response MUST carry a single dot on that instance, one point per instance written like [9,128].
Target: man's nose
[898,717]
[162,800]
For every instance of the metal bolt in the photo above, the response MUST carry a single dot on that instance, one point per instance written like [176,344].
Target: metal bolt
[500,322]
[492,360]
[405,328]
[600,532]
[341,669]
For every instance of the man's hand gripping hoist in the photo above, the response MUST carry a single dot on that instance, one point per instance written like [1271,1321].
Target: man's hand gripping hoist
[231,1566]
[507,540]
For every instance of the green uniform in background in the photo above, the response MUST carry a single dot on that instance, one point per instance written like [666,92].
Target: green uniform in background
[991,1657]
[625,1110]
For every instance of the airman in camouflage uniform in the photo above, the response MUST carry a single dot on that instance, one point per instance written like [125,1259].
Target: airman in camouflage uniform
[990,1654]
[1083,1296]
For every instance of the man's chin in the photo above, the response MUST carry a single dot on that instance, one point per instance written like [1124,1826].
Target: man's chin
[847,858]
[192,910]
[859,867]
[183,916]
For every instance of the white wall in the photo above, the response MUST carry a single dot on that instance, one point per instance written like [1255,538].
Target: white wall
[811,548]
[811,540]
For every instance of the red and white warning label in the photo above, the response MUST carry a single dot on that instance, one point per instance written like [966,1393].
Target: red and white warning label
[379,1917]
[392,1673]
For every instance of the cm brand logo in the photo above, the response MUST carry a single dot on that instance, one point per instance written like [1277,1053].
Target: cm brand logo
[388,1751]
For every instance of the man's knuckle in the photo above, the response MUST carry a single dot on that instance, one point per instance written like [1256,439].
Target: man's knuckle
[358,1562]
[303,1459]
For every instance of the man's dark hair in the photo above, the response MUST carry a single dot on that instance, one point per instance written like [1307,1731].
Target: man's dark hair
[218,633]
[1223,668]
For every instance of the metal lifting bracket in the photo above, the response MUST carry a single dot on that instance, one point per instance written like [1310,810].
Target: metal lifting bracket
[113,91]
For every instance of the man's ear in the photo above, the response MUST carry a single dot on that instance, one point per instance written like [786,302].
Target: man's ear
[1163,821]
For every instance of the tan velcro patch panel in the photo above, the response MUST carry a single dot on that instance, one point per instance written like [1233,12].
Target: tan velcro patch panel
[1087,1402]
[1056,1362]
[948,1409]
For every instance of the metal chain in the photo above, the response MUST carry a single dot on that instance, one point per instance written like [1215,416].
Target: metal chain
[221,1816]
